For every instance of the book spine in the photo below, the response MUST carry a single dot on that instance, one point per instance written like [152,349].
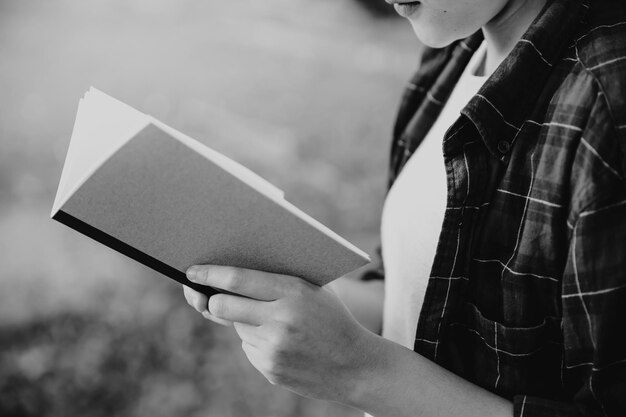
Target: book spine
[125,249]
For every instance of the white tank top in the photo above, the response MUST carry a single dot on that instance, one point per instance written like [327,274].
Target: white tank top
[413,215]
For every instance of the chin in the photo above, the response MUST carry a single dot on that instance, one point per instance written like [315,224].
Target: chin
[434,38]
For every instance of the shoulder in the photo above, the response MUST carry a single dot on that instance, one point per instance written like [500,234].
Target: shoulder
[600,50]
[587,110]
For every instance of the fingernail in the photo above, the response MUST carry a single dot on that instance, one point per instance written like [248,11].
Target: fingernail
[192,272]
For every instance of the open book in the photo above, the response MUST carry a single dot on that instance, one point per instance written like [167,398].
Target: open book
[166,200]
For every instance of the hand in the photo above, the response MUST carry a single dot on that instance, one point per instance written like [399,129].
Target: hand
[298,335]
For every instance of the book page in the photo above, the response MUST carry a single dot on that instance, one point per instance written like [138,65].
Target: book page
[245,174]
[103,124]
[255,181]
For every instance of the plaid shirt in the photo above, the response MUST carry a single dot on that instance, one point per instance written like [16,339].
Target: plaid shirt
[527,294]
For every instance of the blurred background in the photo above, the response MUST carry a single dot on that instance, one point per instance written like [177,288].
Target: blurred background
[302,92]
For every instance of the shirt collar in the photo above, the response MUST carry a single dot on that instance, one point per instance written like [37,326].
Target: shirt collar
[508,97]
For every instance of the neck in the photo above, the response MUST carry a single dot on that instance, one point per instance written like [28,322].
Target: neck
[507,27]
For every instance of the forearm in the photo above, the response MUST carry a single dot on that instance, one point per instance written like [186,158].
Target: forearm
[364,299]
[399,382]
[302,337]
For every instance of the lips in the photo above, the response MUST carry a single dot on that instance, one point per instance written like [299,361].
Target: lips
[405,8]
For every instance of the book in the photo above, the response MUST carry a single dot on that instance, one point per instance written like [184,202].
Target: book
[168,201]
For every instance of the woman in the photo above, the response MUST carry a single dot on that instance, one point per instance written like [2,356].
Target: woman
[505,274]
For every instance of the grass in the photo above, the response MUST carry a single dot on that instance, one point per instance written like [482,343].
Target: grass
[304,93]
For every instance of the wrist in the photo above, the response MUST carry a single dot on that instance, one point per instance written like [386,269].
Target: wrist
[368,380]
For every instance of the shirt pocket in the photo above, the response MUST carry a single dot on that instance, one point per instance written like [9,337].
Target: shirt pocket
[509,360]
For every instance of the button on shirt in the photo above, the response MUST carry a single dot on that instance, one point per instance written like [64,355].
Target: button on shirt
[527,292]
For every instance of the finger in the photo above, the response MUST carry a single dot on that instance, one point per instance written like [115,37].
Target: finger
[195,299]
[217,320]
[248,333]
[235,308]
[250,283]
[200,303]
